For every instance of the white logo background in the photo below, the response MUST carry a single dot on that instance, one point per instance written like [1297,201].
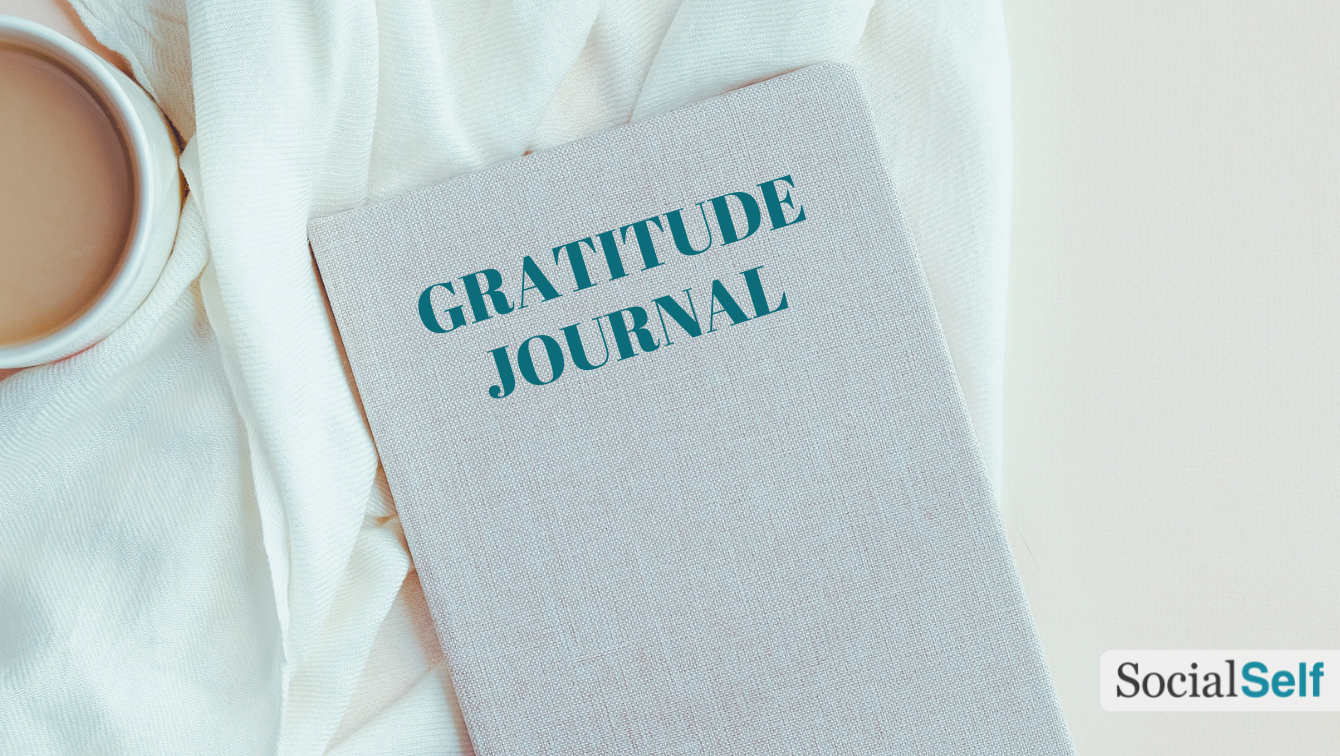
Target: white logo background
[1168,663]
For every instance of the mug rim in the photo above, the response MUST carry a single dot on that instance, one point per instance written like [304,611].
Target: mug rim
[98,75]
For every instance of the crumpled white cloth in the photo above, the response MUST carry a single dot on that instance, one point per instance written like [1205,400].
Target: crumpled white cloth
[197,552]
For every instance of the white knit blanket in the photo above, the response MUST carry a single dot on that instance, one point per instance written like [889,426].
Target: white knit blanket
[197,551]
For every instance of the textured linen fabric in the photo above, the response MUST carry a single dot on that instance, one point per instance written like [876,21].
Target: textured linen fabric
[197,553]
[759,526]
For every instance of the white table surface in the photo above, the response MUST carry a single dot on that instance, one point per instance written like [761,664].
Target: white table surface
[1172,394]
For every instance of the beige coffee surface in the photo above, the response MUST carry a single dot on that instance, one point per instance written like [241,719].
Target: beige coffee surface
[66,197]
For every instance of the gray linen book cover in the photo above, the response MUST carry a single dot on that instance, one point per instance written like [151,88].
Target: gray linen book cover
[678,448]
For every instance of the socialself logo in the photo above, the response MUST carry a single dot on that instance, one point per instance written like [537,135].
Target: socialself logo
[1220,681]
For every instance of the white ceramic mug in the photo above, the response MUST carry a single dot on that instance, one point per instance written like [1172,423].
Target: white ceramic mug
[157,187]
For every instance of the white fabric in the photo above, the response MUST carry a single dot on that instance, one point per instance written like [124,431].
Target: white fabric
[197,554]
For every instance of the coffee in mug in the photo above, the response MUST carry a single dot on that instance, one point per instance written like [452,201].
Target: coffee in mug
[89,195]
[66,197]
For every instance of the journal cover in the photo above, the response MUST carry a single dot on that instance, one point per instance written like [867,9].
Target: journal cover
[678,448]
